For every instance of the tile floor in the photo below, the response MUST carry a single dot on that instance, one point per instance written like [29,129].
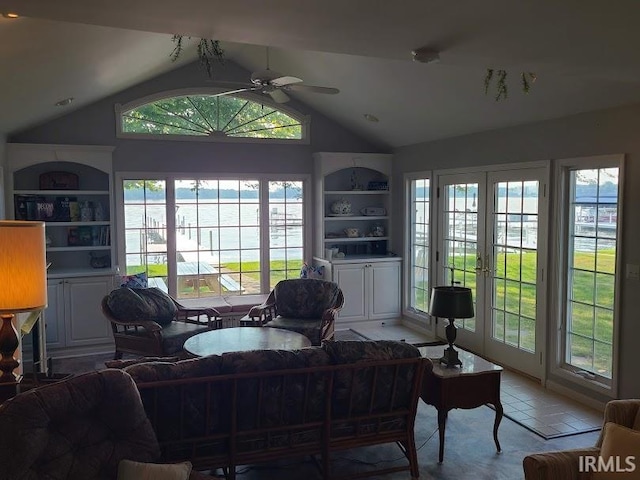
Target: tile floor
[524,400]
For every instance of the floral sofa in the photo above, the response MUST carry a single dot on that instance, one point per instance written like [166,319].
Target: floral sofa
[247,407]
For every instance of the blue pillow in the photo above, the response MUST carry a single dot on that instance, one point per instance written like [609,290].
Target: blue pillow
[137,280]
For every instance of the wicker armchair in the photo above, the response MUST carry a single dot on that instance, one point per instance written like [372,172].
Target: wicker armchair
[564,465]
[159,331]
[305,306]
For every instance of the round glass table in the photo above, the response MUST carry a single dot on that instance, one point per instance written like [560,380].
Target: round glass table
[242,339]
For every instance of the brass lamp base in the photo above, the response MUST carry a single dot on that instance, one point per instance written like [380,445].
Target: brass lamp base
[450,358]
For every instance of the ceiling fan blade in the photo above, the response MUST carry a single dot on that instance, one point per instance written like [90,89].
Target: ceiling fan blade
[311,88]
[279,96]
[238,90]
[284,80]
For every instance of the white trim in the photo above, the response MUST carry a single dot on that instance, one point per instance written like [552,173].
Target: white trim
[558,295]
[569,392]
[305,120]
[171,177]
[408,178]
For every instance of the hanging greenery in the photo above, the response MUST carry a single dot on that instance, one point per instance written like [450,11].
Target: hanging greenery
[526,78]
[209,52]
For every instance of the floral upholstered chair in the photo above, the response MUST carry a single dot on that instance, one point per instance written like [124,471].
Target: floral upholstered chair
[306,306]
[148,322]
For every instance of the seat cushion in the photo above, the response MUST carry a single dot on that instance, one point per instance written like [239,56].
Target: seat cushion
[176,333]
[305,298]
[309,327]
[142,304]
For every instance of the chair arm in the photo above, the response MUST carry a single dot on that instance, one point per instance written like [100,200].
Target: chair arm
[263,313]
[148,325]
[184,314]
[560,465]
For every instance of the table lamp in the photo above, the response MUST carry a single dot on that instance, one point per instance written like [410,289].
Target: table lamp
[23,268]
[451,302]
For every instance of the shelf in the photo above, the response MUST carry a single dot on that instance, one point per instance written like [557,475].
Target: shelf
[356,239]
[79,248]
[61,193]
[49,223]
[54,273]
[342,218]
[356,192]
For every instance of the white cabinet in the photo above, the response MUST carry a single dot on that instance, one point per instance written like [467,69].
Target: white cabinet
[69,187]
[363,182]
[371,288]
[73,317]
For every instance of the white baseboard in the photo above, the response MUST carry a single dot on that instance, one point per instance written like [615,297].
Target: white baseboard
[579,397]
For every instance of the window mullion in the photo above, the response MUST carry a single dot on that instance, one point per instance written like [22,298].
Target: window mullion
[172,259]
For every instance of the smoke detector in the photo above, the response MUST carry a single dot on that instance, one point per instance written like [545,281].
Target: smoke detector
[425,55]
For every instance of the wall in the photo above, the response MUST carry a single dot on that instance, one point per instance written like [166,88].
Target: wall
[3,142]
[95,125]
[594,133]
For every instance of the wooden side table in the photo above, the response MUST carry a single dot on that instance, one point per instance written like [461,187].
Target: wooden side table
[474,384]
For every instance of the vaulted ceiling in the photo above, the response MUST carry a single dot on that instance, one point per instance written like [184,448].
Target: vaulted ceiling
[584,52]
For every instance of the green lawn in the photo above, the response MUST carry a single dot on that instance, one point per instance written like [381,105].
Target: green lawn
[592,294]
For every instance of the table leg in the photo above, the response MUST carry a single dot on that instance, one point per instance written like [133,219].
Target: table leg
[496,424]
[442,422]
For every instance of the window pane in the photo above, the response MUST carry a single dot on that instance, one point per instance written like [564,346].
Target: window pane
[420,229]
[591,275]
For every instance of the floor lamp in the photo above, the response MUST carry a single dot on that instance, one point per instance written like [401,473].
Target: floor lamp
[451,302]
[24,285]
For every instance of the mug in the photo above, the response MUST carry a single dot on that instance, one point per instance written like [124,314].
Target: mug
[328,253]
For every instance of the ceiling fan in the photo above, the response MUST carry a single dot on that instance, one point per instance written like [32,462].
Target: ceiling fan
[274,84]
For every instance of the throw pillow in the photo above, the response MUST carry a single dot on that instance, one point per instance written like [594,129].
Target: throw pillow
[128,304]
[623,444]
[130,470]
[137,280]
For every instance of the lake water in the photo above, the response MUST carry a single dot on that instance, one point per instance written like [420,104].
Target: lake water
[225,228]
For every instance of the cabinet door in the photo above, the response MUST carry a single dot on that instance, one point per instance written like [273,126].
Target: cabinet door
[384,290]
[85,324]
[351,279]
[54,314]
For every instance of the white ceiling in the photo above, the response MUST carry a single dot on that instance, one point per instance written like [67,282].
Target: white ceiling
[585,53]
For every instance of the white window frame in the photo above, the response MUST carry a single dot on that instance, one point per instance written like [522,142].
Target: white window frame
[424,319]
[305,120]
[558,366]
[170,179]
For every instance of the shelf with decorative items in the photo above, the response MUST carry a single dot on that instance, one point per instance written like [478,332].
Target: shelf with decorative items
[353,204]
[69,188]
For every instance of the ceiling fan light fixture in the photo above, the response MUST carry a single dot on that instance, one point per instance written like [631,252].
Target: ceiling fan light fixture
[11,15]
[425,55]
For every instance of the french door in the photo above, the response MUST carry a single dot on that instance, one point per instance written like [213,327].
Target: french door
[492,239]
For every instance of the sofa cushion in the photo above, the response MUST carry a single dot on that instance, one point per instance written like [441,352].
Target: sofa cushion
[254,412]
[130,470]
[368,350]
[619,442]
[305,298]
[164,401]
[141,304]
[353,391]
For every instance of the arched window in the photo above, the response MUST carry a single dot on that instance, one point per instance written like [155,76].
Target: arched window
[207,116]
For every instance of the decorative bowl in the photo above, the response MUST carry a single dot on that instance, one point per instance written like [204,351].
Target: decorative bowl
[341,207]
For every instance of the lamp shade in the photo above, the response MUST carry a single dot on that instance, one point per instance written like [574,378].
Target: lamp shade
[23,270]
[451,302]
